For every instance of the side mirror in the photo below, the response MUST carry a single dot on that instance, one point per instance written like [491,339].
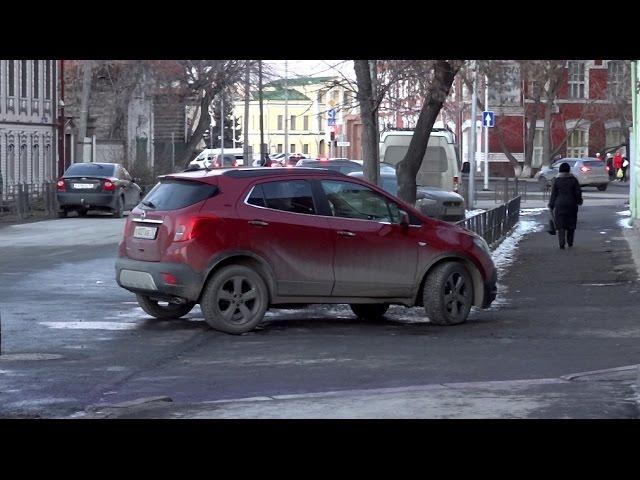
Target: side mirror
[404,219]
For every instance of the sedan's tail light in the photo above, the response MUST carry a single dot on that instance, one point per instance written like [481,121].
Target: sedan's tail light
[60,186]
[585,169]
[108,186]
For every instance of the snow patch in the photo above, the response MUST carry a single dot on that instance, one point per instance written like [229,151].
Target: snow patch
[533,211]
[624,223]
[473,213]
[91,325]
[625,213]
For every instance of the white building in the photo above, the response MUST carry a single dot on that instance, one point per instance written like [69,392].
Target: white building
[28,134]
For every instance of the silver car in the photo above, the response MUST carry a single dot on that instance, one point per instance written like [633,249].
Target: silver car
[590,172]
[432,201]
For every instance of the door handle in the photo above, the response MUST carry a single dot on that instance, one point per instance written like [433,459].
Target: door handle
[259,223]
[346,233]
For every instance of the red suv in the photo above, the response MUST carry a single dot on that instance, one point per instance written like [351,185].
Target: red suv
[238,241]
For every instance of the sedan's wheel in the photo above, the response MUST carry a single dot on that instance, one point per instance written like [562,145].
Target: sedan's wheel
[162,309]
[602,188]
[448,294]
[118,211]
[369,311]
[235,300]
[62,214]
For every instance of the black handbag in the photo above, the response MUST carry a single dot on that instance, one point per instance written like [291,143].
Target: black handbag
[551,228]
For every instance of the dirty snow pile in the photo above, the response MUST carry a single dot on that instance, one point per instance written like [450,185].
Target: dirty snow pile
[533,211]
[473,213]
[626,218]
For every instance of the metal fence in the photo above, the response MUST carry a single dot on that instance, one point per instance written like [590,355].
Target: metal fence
[23,200]
[493,225]
[502,190]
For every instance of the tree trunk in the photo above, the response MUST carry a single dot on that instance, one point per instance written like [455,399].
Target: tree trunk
[546,133]
[365,96]
[203,122]
[531,119]
[513,161]
[84,109]
[444,74]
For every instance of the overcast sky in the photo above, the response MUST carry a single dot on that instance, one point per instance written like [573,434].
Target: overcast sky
[314,68]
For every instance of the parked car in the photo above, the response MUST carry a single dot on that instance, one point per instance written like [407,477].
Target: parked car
[212,158]
[238,241]
[338,165]
[96,186]
[431,201]
[590,172]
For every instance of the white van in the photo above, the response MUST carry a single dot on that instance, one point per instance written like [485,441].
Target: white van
[440,164]
[205,157]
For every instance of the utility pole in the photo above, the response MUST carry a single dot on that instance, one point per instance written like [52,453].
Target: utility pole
[245,127]
[262,152]
[486,135]
[222,126]
[84,109]
[286,112]
[61,122]
[472,143]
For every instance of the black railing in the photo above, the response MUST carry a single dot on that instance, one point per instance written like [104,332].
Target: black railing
[493,225]
[23,200]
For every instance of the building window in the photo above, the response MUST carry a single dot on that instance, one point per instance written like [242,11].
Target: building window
[613,137]
[12,78]
[280,118]
[35,164]
[293,148]
[293,122]
[321,98]
[279,148]
[11,164]
[615,79]
[576,80]
[536,159]
[335,94]
[47,80]
[23,163]
[23,79]
[305,148]
[577,143]
[305,122]
[36,79]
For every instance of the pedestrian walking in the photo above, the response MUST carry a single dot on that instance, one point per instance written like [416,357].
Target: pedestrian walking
[611,170]
[617,165]
[566,195]
[625,166]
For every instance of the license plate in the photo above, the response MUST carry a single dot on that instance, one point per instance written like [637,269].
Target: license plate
[83,185]
[145,232]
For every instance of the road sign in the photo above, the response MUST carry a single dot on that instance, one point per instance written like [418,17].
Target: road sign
[488,119]
[344,144]
[331,117]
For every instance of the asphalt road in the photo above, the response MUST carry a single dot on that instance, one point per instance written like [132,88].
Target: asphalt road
[72,338]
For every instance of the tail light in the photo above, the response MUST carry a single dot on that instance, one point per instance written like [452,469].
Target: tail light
[585,169]
[60,186]
[607,167]
[456,183]
[234,164]
[108,186]
[216,164]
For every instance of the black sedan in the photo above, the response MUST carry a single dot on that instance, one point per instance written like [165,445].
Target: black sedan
[96,186]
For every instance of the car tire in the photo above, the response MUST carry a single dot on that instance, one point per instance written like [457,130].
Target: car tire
[118,211]
[62,214]
[83,212]
[227,292]
[544,185]
[448,294]
[162,312]
[369,311]
[602,188]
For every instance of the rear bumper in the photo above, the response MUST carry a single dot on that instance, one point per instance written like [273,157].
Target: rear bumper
[490,290]
[86,199]
[146,278]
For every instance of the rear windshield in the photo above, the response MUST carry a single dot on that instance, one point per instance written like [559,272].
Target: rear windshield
[172,194]
[594,163]
[90,169]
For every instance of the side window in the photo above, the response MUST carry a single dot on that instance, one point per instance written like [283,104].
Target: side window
[257,197]
[290,196]
[351,200]
[125,174]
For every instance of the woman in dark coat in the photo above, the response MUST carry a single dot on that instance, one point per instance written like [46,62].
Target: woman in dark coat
[566,195]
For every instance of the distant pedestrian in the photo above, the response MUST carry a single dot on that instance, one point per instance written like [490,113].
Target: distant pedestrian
[566,195]
[625,166]
[598,156]
[617,165]
[612,171]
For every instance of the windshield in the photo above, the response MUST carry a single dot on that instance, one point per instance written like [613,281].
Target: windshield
[90,170]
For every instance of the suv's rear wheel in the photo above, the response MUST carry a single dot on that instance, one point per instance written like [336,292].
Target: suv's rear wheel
[158,309]
[234,300]
[118,211]
[448,294]
[369,311]
[603,187]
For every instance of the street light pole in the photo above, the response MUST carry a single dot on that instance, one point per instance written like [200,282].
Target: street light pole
[222,127]
[286,112]
[472,142]
[486,135]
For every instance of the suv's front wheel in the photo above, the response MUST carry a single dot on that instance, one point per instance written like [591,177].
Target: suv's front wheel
[448,294]
[235,300]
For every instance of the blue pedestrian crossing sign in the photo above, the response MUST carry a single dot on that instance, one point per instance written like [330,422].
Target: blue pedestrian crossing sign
[331,117]
[488,119]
